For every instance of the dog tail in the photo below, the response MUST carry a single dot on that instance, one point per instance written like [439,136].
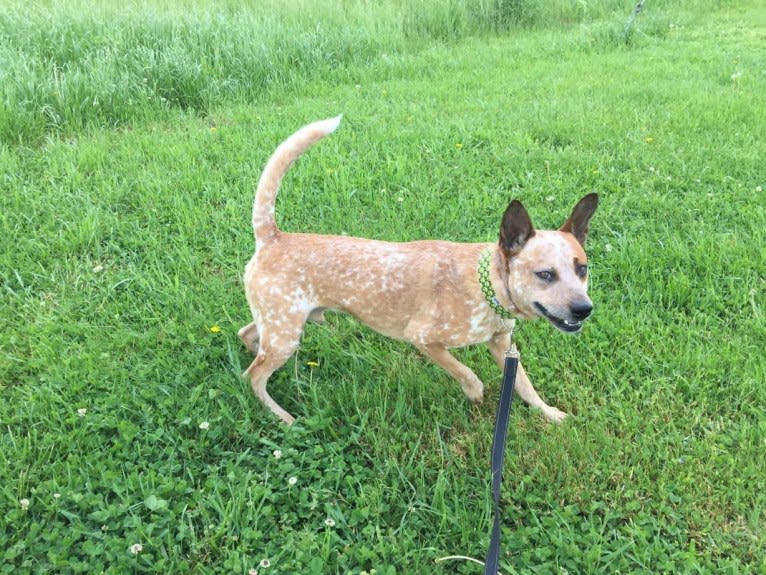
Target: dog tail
[264,223]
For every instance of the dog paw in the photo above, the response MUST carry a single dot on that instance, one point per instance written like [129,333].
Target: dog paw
[475,394]
[287,419]
[554,415]
[317,316]
[250,337]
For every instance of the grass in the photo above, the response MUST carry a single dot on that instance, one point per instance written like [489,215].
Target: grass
[125,232]
[72,65]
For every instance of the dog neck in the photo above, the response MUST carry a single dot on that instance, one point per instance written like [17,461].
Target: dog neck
[488,289]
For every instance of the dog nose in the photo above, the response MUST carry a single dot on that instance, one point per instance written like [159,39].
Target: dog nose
[581,311]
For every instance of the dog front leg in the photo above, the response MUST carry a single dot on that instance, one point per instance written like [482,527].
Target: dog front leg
[498,345]
[469,381]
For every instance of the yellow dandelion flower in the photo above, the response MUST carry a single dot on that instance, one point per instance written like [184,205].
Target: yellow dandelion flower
[459,146]
[215,329]
[649,139]
[312,363]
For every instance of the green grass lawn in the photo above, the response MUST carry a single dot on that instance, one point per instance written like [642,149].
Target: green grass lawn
[130,143]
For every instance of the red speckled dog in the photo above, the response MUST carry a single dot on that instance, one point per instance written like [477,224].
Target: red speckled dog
[429,293]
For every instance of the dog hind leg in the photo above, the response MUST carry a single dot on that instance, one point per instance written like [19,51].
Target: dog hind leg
[249,336]
[317,316]
[276,348]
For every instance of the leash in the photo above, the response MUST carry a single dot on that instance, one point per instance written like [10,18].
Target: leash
[498,451]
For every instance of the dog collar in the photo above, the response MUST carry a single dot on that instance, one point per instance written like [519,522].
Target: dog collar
[486,286]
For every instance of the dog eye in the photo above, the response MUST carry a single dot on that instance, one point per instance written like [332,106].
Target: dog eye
[581,270]
[546,275]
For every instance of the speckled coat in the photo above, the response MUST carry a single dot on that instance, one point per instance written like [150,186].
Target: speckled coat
[424,292]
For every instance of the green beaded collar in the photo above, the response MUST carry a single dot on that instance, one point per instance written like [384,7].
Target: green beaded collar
[486,286]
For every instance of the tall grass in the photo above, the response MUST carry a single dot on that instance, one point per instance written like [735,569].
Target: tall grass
[70,65]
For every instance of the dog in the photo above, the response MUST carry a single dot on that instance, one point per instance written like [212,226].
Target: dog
[436,295]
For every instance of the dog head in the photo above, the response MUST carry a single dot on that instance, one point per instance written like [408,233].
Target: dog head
[548,269]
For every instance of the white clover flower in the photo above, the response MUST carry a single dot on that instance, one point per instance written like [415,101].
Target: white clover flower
[24,503]
[252,572]
[265,563]
[292,481]
[330,522]
[136,548]
[82,411]
[56,495]
[277,454]
[204,425]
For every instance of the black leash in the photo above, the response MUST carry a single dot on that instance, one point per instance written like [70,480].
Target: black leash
[498,452]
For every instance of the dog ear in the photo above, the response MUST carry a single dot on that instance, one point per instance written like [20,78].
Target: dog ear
[515,230]
[577,224]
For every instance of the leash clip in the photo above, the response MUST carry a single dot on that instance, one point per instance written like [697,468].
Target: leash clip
[512,352]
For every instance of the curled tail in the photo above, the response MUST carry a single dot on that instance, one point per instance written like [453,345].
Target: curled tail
[264,224]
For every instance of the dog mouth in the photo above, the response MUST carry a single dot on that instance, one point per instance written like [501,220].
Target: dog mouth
[562,324]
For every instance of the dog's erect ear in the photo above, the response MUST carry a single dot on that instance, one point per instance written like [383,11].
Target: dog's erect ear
[515,230]
[577,224]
